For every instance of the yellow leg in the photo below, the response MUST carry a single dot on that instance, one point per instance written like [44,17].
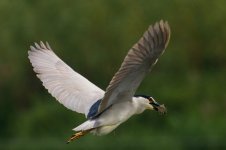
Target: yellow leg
[78,135]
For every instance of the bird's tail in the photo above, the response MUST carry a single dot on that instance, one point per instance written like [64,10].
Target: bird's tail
[89,124]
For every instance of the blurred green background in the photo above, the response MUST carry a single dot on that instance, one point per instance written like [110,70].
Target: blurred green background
[93,37]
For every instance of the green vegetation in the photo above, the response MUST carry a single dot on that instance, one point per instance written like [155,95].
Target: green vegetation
[93,37]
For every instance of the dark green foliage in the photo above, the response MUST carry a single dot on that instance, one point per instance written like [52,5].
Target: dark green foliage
[93,37]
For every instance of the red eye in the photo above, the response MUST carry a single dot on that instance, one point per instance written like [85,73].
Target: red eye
[151,99]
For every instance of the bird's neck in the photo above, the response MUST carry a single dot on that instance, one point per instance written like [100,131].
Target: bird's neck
[140,104]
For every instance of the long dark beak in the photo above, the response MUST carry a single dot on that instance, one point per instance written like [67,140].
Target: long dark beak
[160,108]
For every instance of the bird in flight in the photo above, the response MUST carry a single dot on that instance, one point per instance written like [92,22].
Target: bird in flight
[104,110]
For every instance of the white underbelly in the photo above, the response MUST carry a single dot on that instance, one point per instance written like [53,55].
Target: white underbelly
[113,117]
[103,130]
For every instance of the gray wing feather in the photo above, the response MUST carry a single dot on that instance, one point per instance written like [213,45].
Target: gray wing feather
[138,62]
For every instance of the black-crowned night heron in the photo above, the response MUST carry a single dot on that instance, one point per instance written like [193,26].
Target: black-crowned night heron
[104,110]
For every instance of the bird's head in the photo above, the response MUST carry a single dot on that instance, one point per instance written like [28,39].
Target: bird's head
[152,104]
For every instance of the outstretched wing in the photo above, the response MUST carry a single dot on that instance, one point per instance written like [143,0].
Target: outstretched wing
[67,86]
[138,62]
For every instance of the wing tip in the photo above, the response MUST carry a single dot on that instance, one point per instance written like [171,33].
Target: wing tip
[160,33]
[40,46]
[167,31]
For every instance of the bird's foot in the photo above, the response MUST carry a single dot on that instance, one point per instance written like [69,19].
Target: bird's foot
[78,135]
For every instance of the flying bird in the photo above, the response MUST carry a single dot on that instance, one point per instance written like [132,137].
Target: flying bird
[104,110]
